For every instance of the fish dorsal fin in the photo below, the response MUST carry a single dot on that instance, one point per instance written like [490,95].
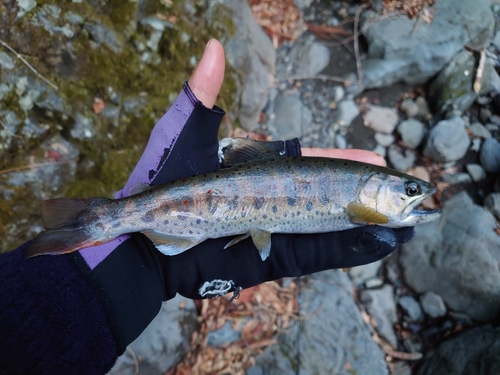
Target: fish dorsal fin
[359,213]
[262,241]
[234,151]
[169,244]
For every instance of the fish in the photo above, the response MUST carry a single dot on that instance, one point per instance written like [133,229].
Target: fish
[277,194]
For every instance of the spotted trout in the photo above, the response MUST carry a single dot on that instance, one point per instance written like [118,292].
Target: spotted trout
[279,194]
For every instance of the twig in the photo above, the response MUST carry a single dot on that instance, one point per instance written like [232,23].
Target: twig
[28,65]
[136,361]
[478,82]
[36,165]
[356,47]
[415,27]
[317,76]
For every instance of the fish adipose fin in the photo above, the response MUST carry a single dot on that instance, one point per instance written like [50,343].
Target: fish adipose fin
[171,245]
[359,213]
[66,232]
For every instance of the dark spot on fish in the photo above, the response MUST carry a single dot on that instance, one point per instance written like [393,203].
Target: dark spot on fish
[182,217]
[293,215]
[218,219]
[165,208]
[309,206]
[264,216]
[292,201]
[274,209]
[258,203]
[285,214]
[211,202]
[227,218]
[117,225]
[232,203]
[243,213]
[249,220]
[165,222]
[148,217]
[298,213]
[190,232]
[198,221]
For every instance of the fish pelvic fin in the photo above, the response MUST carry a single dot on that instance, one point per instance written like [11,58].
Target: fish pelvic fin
[171,245]
[359,213]
[237,239]
[262,241]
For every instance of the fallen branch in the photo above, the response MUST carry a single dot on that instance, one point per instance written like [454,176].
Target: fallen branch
[478,82]
[356,47]
[36,165]
[318,76]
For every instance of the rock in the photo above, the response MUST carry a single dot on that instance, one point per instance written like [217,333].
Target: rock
[347,111]
[409,107]
[398,52]
[412,133]
[457,178]
[362,273]
[251,53]
[384,140]
[485,114]
[338,93]
[380,305]
[223,336]
[472,352]
[332,339]
[478,130]
[308,56]
[402,160]
[476,172]
[292,117]
[490,155]
[104,35]
[83,127]
[448,141]
[411,308]
[381,119]
[26,5]
[432,304]
[457,259]
[496,41]
[340,141]
[381,150]
[163,343]
[5,61]
[492,204]
[401,368]
[420,172]
[452,90]
[423,108]
[374,282]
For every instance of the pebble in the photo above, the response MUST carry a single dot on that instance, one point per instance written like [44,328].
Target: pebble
[338,93]
[363,273]
[447,141]
[492,127]
[484,114]
[374,282]
[381,119]
[412,133]
[457,178]
[490,155]
[384,139]
[432,304]
[223,336]
[476,172]
[347,111]
[340,141]
[6,61]
[478,130]
[423,108]
[492,204]
[410,108]
[475,144]
[401,162]
[291,116]
[381,150]
[411,308]
[420,172]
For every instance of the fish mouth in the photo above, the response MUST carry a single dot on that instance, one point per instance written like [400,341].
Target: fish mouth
[415,216]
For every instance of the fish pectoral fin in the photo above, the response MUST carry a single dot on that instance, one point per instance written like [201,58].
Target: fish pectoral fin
[359,213]
[139,188]
[237,239]
[169,244]
[262,241]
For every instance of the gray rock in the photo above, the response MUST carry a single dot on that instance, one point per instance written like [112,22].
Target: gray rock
[380,305]
[374,282]
[452,90]
[476,172]
[492,204]
[402,160]
[401,368]
[396,52]
[362,273]
[252,54]
[485,114]
[384,139]
[412,133]
[381,119]
[338,93]
[292,117]
[340,141]
[432,304]
[490,155]
[6,61]
[423,108]
[347,111]
[333,339]
[104,35]
[411,308]
[381,150]
[457,259]
[163,343]
[478,130]
[496,40]
[457,178]
[473,352]
[26,5]
[448,141]
[83,127]
[409,107]
[223,336]
[308,57]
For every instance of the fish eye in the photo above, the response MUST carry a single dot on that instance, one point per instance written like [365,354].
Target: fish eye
[412,188]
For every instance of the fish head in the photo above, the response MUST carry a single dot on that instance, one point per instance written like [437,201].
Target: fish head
[396,195]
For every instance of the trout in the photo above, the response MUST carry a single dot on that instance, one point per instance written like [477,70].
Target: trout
[279,194]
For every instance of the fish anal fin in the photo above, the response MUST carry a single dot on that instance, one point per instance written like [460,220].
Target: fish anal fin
[170,244]
[359,213]
[237,239]
[262,241]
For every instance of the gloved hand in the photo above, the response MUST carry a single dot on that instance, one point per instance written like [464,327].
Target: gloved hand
[136,277]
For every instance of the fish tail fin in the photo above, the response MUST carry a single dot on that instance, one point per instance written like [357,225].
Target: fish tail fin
[66,221]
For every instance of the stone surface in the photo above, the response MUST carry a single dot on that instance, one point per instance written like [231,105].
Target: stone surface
[476,172]
[432,304]
[448,141]
[252,54]
[381,119]
[333,337]
[457,259]
[400,159]
[492,204]
[478,130]
[347,110]
[473,352]
[452,90]
[361,274]
[411,308]
[397,52]
[490,155]
[409,107]
[223,336]
[292,117]
[384,140]
[309,57]
[412,133]
[380,305]
[163,343]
